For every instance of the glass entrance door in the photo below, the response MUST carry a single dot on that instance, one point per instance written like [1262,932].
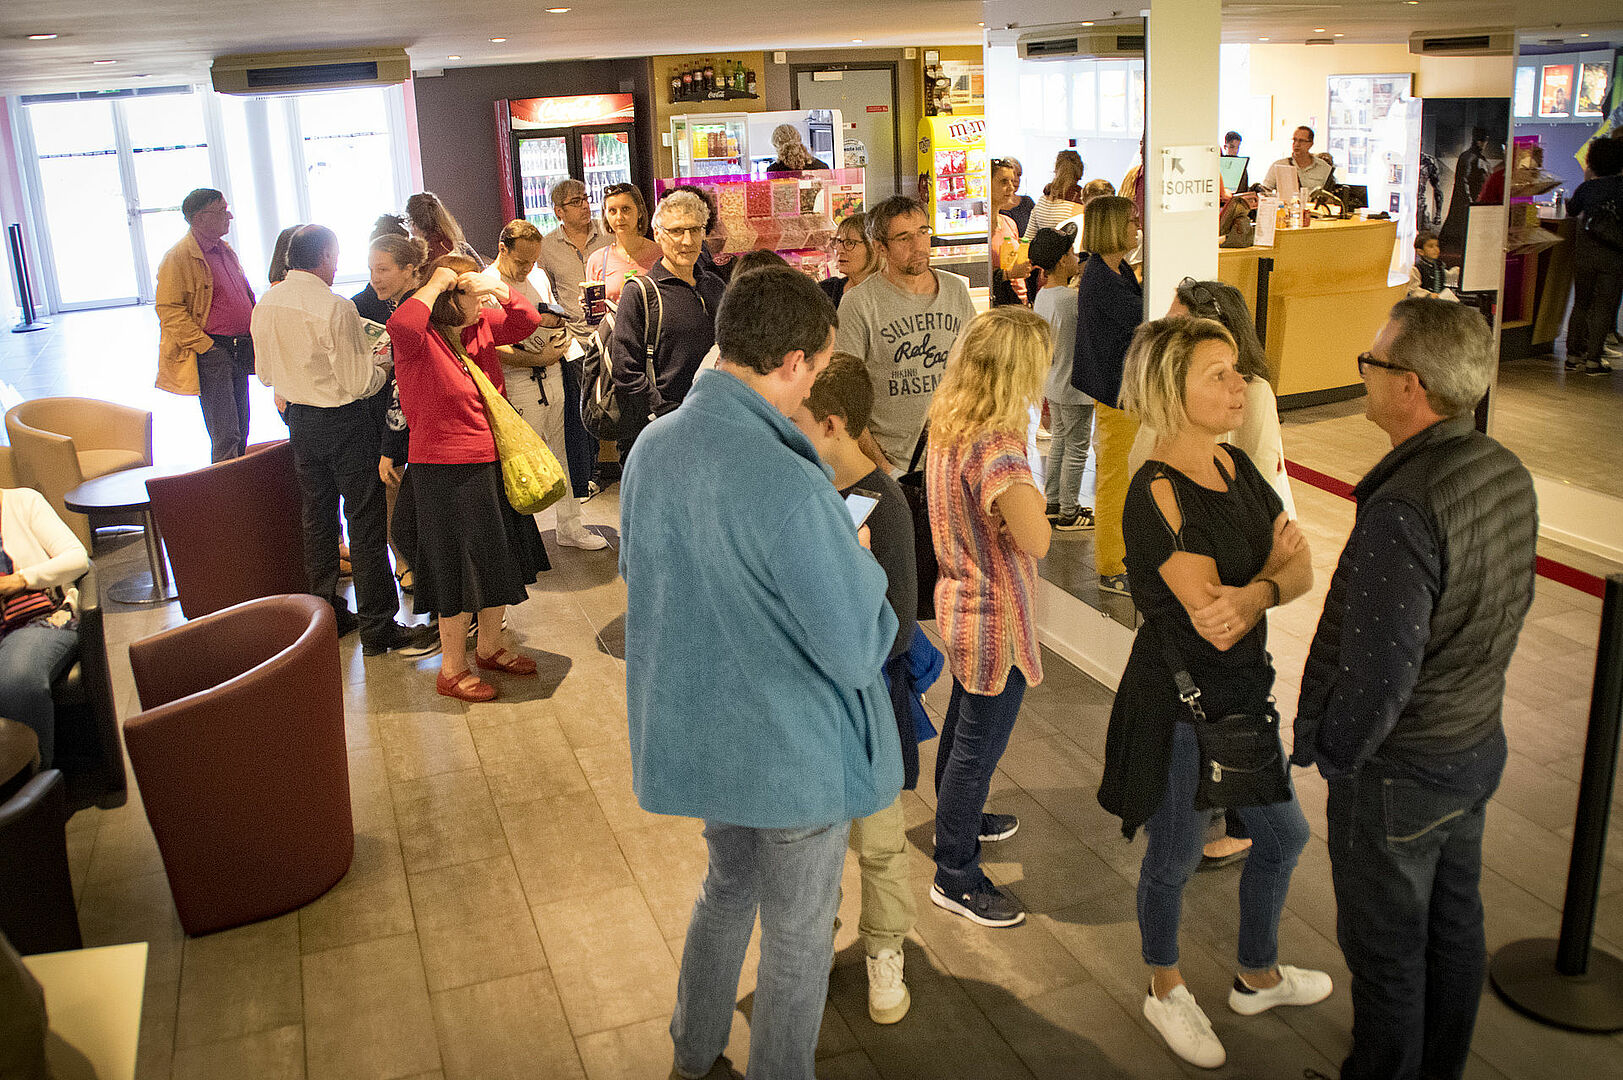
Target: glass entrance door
[110,171]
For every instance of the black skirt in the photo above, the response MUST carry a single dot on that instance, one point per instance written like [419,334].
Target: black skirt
[471,550]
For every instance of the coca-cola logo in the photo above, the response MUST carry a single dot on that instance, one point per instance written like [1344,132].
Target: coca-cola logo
[571,111]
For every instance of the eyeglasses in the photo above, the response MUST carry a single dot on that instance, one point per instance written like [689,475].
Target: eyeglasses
[849,243]
[1367,360]
[578,200]
[682,232]
[1205,303]
[918,234]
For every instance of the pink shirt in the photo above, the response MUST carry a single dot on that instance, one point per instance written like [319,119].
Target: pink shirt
[232,305]
[986,594]
[613,269]
[1005,230]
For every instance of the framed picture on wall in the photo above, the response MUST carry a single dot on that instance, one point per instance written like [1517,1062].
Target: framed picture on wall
[1526,81]
[1591,90]
[1555,92]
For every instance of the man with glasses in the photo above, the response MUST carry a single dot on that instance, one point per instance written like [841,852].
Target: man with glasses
[1403,690]
[1302,172]
[902,322]
[671,308]
[204,306]
[563,256]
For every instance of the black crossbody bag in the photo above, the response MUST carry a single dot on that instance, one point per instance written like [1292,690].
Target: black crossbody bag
[1241,763]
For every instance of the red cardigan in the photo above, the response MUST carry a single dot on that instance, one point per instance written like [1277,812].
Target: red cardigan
[442,405]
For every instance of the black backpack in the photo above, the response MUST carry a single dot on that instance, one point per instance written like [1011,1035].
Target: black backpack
[1604,223]
[599,404]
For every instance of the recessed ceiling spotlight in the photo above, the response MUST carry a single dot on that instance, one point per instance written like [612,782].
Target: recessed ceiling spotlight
[497,40]
[1583,35]
[1339,35]
[1262,39]
[1412,3]
[556,10]
[41,37]
[453,56]
[99,62]
[856,41]
[1318,29]
[1088,23]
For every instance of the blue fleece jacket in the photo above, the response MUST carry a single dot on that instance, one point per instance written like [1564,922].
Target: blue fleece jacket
[756,625]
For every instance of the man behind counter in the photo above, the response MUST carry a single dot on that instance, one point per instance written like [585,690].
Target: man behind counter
[1300,173]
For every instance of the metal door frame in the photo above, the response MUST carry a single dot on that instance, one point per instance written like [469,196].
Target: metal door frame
[795,71]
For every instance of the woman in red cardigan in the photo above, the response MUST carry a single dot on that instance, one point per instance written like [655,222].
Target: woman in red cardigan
[475,553]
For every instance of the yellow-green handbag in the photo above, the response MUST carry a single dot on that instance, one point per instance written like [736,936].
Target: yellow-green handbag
[531,475]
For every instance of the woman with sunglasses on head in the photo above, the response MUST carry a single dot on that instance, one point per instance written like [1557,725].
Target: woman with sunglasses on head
[1020,211]
[1009,265]
[625,214]
[433,224]
[854,257]
[1209,550]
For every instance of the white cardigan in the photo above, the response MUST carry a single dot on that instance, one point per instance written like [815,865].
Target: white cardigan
[42,548]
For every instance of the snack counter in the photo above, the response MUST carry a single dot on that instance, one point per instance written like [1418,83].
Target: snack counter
[1325,295]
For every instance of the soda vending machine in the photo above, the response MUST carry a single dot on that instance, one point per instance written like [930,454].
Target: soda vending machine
[540,141]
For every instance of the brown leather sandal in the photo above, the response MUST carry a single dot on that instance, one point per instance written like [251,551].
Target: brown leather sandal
[452,686]
[502,660]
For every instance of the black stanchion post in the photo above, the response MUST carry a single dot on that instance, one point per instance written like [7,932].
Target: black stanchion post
[25,290]
[1565,981]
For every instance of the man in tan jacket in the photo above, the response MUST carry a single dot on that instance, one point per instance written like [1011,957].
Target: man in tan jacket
[204,306]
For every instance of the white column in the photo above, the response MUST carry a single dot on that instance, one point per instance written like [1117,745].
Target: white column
[1181,72]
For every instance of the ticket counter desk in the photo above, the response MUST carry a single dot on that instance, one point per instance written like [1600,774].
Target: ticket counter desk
[1326,296]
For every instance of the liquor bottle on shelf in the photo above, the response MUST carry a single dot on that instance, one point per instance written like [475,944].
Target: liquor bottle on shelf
[676,87]
[749,82]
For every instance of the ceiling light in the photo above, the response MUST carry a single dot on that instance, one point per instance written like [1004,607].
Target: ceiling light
[104,61]
[1088,23]
[453,56]
[1412,3]
[497,40]
[1340,35]
[556,10]
[41,37]
[1318,29]
[1262,39]
[1583,35]
[856,41]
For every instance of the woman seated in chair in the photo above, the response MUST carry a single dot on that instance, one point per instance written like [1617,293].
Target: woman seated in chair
[38,556]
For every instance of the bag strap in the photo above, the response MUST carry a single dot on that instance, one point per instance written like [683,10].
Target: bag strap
[918,448]
[1188,692]
[650,345]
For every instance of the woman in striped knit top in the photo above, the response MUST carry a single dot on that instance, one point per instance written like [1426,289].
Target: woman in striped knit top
[1060,200]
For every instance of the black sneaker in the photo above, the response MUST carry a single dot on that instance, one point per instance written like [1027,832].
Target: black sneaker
[425,641]
[1079,519]
[1598,367]
[1574,365]
[394,636]
[348,623]
[987,904]
[1052,511]
[998,827]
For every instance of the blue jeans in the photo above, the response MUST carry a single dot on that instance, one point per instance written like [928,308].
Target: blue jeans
[1406,860]
[973,738]
[32,657]
[1072,430]
[792,876]
[1177,831]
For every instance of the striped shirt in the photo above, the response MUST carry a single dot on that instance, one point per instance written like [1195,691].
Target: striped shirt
[1050,214]
[986,595]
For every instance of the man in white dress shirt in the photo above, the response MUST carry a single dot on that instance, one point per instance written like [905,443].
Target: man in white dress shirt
[534,368]
[309,347]
[1302,173]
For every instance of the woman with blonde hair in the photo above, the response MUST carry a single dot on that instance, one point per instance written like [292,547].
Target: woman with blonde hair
[433,224]
[475,553]
[792,153]
[625,215]
[1109,307]
[854,257]
[1060,200]
[989,530]
[1210,549]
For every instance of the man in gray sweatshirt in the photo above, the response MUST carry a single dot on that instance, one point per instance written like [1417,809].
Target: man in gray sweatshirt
[901,322]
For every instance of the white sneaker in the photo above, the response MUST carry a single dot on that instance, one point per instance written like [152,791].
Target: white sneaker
[1185,1028]
[1297,986]
[579,536]
[888,999]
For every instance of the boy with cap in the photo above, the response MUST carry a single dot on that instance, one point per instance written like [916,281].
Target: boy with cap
[1070,411]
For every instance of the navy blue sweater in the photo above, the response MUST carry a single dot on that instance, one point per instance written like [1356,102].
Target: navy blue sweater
[1109,307]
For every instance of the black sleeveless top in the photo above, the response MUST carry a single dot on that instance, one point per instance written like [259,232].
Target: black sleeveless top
[1235,528]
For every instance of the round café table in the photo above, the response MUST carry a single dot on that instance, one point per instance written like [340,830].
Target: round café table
[123,493]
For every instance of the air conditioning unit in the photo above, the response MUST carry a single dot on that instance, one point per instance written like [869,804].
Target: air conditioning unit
[292,72]
[1086,43]
[1497,42]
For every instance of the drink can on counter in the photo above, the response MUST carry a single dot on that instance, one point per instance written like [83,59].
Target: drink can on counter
[594,301]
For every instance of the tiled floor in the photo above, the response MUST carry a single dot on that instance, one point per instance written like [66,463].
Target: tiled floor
[512,912]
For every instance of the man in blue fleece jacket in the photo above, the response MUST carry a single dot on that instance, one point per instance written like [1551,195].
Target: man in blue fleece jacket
[756,627]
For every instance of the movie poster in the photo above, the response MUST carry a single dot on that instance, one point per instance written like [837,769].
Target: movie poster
[1591,91]
[1463,140]
[1526,82]
[1555,95]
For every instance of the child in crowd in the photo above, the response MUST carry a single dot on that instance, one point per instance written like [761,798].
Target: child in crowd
[988,527]
[833,418]
[1429,277]
[1070,411]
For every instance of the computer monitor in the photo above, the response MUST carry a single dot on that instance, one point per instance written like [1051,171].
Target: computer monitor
[1232,169]
[1354,197]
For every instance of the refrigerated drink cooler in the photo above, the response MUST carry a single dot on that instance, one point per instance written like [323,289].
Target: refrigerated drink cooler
[740,144]
[541,141]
